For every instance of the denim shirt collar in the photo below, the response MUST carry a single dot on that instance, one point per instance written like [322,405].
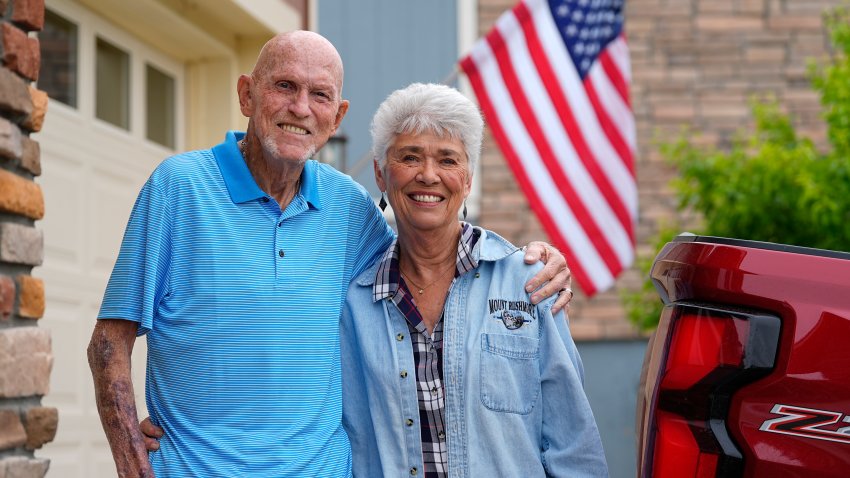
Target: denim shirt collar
[240,183]
[494,249]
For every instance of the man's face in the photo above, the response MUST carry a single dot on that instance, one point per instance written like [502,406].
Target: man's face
[293,100]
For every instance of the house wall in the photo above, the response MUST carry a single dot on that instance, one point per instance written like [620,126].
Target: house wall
[694,63]
[26,356]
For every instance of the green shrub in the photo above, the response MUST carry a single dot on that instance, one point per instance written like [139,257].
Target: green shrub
[770,185]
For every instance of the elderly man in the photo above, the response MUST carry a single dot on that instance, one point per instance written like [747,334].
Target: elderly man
[235,264]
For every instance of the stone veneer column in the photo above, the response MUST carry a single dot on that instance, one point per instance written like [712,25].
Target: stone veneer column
[25,351]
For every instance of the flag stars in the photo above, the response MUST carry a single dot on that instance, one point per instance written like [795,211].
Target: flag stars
[587,27]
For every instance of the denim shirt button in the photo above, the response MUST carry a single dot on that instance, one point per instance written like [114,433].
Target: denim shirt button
[408,422]
[403,374]
[413,471]
[399,337]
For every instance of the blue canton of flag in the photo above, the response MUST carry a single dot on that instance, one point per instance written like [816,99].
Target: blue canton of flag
[587,27]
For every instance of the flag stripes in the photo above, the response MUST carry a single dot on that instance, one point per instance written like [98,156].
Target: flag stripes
[569,140]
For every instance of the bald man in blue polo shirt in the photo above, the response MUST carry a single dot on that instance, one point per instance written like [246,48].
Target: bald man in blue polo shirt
[235,264]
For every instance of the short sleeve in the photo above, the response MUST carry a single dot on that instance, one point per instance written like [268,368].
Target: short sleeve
[372,236]
[139,279]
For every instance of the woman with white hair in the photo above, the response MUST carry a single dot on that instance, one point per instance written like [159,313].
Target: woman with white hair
[448,369]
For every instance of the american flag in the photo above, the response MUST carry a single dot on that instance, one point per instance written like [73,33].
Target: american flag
[552,78]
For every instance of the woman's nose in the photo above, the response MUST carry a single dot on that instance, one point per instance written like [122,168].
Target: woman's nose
[428,173]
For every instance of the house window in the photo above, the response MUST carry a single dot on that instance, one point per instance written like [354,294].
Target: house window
[112,84]
[160,106]
[58,73]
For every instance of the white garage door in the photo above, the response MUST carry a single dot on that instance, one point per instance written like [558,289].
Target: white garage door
[113,116]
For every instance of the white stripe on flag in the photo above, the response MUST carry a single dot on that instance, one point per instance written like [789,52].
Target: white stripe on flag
[575,172]
[549,192]
[574,91]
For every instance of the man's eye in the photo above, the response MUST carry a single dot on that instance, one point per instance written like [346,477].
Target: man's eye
[409,158]
[284,84]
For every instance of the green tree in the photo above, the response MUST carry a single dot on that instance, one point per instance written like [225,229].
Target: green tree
[771,185]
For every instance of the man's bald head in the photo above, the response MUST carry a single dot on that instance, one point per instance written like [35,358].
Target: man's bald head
[308,44]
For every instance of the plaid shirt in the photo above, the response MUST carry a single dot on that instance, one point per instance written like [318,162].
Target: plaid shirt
[427,349]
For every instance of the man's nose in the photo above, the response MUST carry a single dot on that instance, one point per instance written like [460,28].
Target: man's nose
[300,104]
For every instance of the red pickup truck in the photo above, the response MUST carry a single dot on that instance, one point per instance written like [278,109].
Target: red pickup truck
[748,373]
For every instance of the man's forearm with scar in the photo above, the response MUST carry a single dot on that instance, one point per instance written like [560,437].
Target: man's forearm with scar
[109,355]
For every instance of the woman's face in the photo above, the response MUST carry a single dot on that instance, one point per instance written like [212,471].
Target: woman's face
[426,178]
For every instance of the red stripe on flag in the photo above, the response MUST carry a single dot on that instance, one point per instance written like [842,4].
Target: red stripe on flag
[526,112]
[495,125]
[614,76]
[611,131]
[565,112]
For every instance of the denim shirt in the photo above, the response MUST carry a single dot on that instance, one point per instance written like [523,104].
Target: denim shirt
[515,405]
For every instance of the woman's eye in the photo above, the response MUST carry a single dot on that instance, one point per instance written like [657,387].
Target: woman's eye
[409,158]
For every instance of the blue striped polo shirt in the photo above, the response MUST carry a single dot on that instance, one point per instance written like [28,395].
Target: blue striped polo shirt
[240,302]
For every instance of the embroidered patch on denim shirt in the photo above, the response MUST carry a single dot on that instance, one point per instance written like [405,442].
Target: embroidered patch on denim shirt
[512,313]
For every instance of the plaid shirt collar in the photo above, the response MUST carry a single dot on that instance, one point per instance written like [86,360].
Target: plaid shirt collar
[388,277]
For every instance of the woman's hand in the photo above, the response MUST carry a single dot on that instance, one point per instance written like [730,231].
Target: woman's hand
[554,277]
[152,434]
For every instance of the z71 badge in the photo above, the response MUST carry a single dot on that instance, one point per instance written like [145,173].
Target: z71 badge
[808,423]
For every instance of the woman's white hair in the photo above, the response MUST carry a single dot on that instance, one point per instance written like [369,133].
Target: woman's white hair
[427,107]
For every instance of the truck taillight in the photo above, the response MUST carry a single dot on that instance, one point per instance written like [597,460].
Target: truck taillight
[709,353]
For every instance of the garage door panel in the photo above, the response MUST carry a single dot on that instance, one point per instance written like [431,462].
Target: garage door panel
[66,386]
[111,200]
[63,187]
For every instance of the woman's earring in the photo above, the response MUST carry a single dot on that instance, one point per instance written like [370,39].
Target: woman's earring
[383,203]
[464,210]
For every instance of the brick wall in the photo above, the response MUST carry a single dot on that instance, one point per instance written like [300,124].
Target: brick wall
[25,350]
[694,62]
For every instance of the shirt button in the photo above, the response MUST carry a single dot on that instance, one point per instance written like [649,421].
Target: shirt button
[399,337]
[413,471]
[477,275]
[441,435]
[280,224]
[281,253]
[434,391]
[403,374]
[408,422]
[265,199]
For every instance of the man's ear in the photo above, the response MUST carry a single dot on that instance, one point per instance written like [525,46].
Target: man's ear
[379,176]
[340,113]
[243,90]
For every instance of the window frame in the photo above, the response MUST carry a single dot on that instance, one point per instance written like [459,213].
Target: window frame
[90,26]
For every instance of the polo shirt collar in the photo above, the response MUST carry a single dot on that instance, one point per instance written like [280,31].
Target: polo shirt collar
[240,183]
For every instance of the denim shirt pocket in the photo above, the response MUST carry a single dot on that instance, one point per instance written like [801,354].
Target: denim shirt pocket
[510,373]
